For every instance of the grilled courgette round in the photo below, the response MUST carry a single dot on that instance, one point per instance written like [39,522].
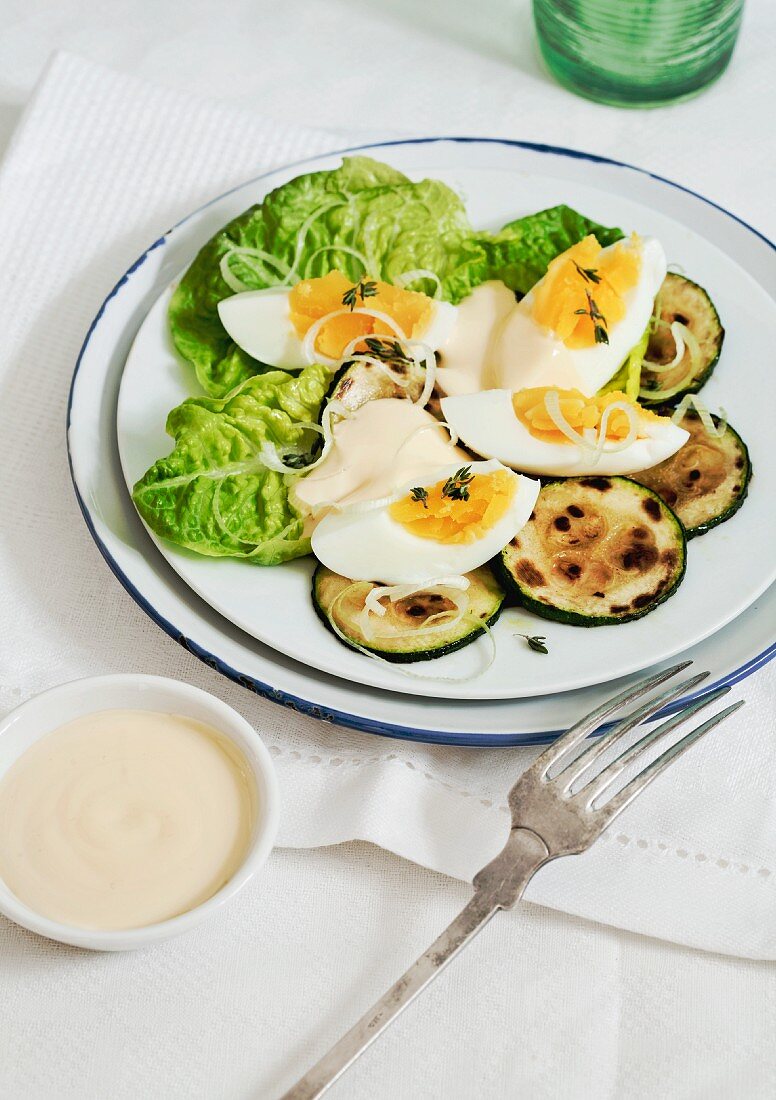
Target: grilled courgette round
[357,383]
[400,636]
[681,300]
[707,480]
[596,551]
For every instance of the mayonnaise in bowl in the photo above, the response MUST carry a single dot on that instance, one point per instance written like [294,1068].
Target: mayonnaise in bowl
[126,823]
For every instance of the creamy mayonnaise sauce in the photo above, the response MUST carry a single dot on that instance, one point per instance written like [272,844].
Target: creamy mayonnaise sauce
[466,360]
[122,818]
[382,446]
[496,344]
[526,355]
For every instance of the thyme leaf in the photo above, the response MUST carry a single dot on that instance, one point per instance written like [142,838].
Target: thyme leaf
[365,288]
[298,461]
[535,643]
[599,321]
[457,486]
[420,494]
[589,274]
[389,352]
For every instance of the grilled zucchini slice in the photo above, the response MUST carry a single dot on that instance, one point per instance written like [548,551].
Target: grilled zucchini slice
[399,636]
[596,551]
[681,300]
[357,383]
[707,480]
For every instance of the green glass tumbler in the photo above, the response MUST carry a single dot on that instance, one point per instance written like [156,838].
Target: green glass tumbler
[637,53]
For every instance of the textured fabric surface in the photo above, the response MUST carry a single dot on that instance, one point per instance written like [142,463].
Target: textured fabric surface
[540,1006]
[99,167]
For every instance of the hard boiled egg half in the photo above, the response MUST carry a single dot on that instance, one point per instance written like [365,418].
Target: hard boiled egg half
[577,325]
[275,326]
[429,528]
[574,328]
[558,432]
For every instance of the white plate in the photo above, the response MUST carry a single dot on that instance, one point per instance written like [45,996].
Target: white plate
[274,604]
[579,179]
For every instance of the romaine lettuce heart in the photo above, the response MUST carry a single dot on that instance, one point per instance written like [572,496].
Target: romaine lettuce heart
[395,224]
[375,211]
[519,253]
[212,494]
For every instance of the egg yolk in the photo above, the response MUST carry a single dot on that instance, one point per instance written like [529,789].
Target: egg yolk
[582,282]
[450,520]
[579,411]
[312,299]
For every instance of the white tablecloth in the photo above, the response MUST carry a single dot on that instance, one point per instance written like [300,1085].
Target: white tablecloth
[542,1004]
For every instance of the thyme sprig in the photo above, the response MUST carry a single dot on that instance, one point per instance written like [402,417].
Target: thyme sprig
[365,288]
[535,643]
[389,352]
[598,319]
[589,274]
[457,486]
[420,494]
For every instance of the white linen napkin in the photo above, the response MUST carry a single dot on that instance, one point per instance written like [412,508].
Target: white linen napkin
[101,165]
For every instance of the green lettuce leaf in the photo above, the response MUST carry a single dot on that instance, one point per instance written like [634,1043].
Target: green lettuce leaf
[519,253]
[395,224]
[212,494]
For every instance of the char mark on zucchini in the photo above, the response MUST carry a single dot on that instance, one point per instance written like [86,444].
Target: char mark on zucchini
[621,553]
[706,481]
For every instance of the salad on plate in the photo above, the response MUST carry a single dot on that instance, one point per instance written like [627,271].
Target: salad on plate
[448,419]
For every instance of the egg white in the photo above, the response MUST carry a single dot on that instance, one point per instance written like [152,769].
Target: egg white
[371,546]
[487,424]
[529,355]
[259,322]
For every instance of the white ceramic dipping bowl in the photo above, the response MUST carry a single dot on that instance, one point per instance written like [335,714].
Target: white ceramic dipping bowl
[44,713]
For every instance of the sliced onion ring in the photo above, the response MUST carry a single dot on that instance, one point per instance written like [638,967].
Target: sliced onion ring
[590,440]
[426,428]
[407,277]
[429,362]
[633,429]
[552,405]
[335,248]
[395,592]
[678,331]
[308,344]
[400,668]
[692,399]
[304,229]
[236,284]
[272,459]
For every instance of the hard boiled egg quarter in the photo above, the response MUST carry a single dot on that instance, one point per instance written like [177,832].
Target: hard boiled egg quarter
[271,325]
[549,338]
[517,430]
[575,328]
[428,529]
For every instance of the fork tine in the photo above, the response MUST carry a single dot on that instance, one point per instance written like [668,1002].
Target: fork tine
[599,783]
[618,803]
[591,721]
[580,764]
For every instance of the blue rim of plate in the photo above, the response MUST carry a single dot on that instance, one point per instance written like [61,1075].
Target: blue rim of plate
[294,702]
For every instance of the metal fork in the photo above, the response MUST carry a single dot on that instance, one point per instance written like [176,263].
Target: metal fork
[558,814]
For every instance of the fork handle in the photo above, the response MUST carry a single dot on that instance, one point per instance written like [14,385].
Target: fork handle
[474,916]
[469,921]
